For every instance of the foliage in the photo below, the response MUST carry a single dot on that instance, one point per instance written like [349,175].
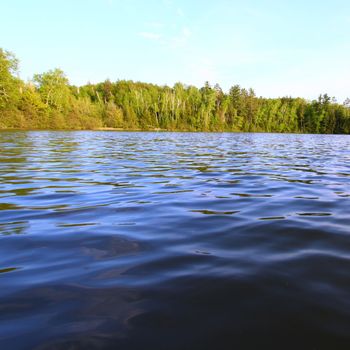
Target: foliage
[49,102]
[9,84]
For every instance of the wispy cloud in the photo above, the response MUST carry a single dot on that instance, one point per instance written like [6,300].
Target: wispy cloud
[186,32]
[179,12]
[150,35]
[155,24]
[176,40]
[203,69]
[179,40]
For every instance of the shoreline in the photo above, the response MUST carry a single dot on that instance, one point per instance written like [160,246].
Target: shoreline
[170,131]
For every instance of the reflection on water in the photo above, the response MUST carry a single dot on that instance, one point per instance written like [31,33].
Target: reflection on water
[174,240]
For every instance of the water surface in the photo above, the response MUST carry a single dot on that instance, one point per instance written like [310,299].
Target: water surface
[174,241]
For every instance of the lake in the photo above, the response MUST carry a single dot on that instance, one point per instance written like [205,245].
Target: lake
[132,240]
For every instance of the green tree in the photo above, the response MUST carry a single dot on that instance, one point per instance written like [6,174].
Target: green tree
[54,89]
[9,84]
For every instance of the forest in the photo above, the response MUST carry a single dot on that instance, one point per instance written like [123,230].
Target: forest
[48,101]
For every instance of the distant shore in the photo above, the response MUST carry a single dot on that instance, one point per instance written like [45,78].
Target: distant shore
[49,102]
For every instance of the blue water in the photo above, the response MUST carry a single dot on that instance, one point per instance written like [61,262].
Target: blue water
[174,241]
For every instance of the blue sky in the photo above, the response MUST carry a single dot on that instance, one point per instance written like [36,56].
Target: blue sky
[278,47]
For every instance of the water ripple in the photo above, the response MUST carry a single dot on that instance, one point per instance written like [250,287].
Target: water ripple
[174,240]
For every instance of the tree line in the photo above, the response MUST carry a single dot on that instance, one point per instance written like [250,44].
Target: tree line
[48,101]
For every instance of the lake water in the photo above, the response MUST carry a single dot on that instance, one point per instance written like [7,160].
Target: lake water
[174,241]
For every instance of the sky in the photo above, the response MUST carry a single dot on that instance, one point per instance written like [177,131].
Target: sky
[277,47]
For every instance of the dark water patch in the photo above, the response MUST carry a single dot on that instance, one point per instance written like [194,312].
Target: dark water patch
[249,195]
[8,206]
[314,214]
[8,269]
[213,212]
[273,218]
[174,241]
[77,224]
[305,197]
